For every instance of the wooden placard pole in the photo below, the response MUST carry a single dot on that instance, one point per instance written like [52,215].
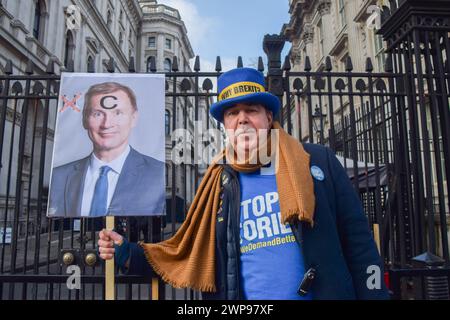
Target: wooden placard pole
[376,235]
[109,268]
[155,289]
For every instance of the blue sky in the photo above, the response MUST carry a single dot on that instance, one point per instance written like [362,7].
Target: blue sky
[231,28]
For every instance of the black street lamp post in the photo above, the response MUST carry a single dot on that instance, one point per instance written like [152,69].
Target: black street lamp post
[318,117]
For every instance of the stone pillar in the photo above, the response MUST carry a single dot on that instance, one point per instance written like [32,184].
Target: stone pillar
[273,45]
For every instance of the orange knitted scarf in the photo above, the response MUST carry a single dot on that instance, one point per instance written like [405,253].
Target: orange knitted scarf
[188,258]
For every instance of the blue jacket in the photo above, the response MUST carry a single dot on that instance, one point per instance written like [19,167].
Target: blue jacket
[339,247]
[138,190]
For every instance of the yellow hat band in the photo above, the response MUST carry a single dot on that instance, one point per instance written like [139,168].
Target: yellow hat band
[240,89]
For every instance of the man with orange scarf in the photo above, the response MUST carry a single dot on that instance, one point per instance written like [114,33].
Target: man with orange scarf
[272,218]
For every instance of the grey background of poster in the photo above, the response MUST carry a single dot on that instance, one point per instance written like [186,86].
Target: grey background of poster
[71,139]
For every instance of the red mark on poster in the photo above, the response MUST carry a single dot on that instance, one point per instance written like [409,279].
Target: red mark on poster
[72,103]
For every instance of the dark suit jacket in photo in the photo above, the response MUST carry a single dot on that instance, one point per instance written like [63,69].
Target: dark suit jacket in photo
[139,191]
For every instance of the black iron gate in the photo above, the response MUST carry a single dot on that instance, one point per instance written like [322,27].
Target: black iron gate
[390,131]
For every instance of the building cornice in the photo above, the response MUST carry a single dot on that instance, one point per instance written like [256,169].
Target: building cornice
[135,8]
[171,20]
[308,6]
[164,18]
[363,14]
[294,5]
[299,11]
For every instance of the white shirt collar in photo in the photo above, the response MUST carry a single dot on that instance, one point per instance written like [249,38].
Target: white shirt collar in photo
[116,164]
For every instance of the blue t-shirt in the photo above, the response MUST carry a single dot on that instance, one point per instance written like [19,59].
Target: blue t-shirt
[272,265]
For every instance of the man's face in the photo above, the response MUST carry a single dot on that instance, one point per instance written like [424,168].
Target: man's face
[109,126]
[245,123]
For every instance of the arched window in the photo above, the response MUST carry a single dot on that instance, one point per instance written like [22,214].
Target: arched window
[167,65]
[167,122]
[38,23]
[149,63]
[69,48]
[120,39]
[109,19]
[89,62]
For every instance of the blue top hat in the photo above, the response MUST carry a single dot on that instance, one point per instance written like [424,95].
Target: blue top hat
[242,85]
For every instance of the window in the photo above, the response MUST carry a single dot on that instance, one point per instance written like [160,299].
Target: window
[38,23]
[89,63]
[149,64]
[69,48]
[120,39]
[121,16]
[168,44]
[152,42]
[167,120]
[167,65]
[37,20]
[342,12]
[109,19]
[379,50]
[321,36]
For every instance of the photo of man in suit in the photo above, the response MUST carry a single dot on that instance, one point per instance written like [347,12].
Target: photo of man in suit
[114,179]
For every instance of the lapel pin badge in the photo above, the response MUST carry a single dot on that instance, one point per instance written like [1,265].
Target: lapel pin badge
[317,173]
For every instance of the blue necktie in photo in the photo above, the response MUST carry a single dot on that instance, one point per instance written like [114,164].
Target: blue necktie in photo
[100,198]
